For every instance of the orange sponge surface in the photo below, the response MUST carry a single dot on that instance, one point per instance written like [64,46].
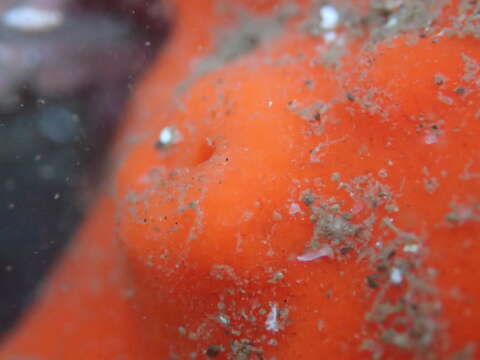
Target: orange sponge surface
[294,181]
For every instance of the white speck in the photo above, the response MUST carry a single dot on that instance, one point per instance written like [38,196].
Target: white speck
[56,196]
[276,215]
[278,275]
[396,276]
[223,319]
[169,136]
[270,103]
[32,19]
[166,136]
[272,319]
[294,209]
[329,36]
[391,208]
[445,99]
[322,251]
[272,342]
[411,248]
[247,215]
[431,138]
[329,17]
[383,173]
[392,21]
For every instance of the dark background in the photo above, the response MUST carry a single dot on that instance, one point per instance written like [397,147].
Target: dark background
[61,98]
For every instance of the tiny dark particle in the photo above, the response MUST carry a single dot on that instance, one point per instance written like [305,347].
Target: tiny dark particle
[371,282]
[350,96]
[309,83]
[382,268]
[439,80]
[345,250]
[391,254]
[308,199]
[213,351]
[317,116]
[460,91]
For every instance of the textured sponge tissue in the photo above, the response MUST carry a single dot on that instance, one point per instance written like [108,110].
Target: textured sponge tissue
[295,180]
